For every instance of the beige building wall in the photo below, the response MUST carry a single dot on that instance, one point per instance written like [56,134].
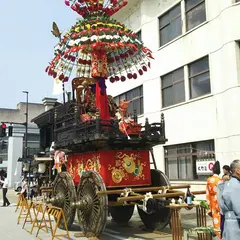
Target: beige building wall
[18,114]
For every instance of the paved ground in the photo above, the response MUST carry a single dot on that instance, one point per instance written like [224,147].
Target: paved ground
[9,230]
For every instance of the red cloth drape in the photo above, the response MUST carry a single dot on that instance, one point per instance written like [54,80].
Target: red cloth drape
[102,102]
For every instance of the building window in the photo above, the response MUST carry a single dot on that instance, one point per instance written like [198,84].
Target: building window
[173,90]
[195,13]
[136,97]
[181,159]
[170,25]
[139,35]
[33,137]
[199,78]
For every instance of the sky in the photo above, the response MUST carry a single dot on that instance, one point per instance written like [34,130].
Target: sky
[26,47]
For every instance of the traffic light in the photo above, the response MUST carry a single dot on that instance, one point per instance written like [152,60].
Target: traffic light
[10,131]
[3,130]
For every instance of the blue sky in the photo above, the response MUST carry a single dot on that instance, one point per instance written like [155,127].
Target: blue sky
[26,47]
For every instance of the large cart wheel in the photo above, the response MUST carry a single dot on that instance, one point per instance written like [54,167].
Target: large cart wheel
[122,214]
[92,209]
[65,194]
[161,217]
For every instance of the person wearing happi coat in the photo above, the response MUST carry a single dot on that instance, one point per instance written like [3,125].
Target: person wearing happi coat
[229,201]
[212,199]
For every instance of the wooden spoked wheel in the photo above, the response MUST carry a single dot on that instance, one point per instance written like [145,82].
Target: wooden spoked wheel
[122,214]
[64,195]
[92,209]
[161,217]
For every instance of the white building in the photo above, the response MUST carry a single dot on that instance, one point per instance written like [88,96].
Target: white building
[194,80]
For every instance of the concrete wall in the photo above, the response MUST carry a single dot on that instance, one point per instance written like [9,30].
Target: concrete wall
[18,115]
[214,116]
[14,170]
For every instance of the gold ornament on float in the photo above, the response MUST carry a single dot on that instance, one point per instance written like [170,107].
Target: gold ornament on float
[117,175]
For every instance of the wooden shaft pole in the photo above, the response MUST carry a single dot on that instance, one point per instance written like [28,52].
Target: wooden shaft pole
[136,198]
[146,189]
[198,192]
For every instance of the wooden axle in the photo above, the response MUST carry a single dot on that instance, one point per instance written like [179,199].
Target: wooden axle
[145,189]
[199,192]
[141,197]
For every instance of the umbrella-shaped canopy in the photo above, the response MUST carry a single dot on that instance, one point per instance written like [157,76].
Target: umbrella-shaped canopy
[98,46]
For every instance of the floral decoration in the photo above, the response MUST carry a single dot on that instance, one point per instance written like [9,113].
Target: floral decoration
[126,56]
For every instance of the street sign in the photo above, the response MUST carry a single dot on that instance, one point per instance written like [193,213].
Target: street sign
[204,167]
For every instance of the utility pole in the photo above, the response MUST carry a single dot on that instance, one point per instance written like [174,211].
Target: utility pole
[26,140]
[26,126]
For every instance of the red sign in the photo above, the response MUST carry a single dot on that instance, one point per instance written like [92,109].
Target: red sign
[117,168]
[210,166]
[204,167]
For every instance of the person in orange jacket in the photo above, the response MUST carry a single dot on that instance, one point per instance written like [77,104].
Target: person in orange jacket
[212,199]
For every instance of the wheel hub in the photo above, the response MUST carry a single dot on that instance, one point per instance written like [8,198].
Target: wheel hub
[59,199]
[85,204]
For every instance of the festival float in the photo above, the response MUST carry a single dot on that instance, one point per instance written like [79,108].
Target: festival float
[103,156]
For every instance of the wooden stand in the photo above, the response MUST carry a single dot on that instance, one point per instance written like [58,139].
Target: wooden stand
[24,211]
[36,207]
[58,214]
[20,202]
[202,222]
[29,215]
[176,223]
[43,222]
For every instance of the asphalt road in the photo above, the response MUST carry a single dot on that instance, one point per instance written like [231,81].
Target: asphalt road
[9,230]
